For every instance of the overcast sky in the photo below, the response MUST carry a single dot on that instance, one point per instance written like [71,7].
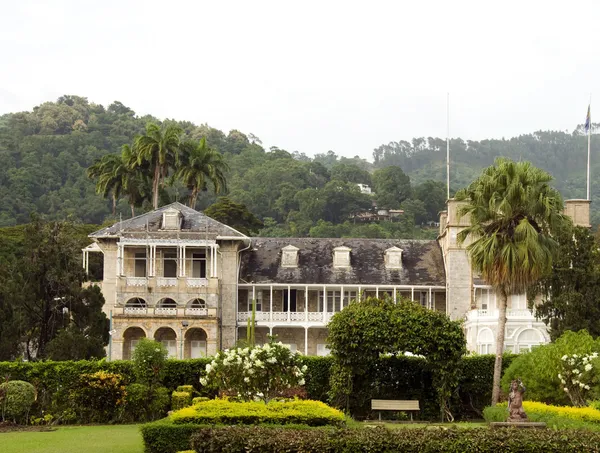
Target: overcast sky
[313,75]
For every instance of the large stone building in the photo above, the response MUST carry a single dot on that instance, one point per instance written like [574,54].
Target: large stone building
[184,279]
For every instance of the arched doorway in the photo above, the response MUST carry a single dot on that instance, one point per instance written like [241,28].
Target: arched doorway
[196,307]
[137,305]
[168,338]
[195,343]
[131,338]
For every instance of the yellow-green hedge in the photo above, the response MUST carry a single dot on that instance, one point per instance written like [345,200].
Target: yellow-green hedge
[584,414]
[554,416]
[224,412]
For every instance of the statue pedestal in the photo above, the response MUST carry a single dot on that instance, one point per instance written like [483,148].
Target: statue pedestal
[517,425]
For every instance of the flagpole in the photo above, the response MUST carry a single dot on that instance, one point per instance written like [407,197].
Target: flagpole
[589,147]
[448,145]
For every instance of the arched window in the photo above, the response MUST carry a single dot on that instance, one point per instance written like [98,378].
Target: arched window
[166,303]
[136,305]
[485,341]
[527,339]
[196,307]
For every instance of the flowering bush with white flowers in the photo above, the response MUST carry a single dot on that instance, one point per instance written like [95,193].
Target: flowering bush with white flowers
[577,376]
[257,373]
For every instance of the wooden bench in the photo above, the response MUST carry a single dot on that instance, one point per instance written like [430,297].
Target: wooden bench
[395,405]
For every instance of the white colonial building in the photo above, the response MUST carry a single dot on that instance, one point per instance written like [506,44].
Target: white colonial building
[184,279]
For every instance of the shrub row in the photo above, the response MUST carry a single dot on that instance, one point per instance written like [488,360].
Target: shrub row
[218,411]
[164,436]
[235,439]
[394,378]
[553,416]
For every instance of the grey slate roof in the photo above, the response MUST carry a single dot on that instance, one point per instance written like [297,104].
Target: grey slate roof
[422,262]
[193,222]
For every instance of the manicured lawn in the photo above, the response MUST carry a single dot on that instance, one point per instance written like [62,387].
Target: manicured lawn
[75,439]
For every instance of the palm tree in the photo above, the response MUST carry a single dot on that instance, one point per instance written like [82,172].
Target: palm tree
[159,148]
[107,172]
[135,180]
[200,165]
[512,213]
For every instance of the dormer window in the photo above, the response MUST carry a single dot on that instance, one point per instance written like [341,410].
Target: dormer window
[171,220]
[289,256]
[341,257]
[393,258]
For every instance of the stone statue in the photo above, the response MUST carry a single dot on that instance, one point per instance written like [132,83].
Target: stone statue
[515,402]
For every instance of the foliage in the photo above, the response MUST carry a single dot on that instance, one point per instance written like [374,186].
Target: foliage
[553,416]
[392,187]
[513,214]
[16,399]
[164,436]
[539,369]
[42,294]
[179,400]
[316,377]
[144,404]
[235,215]
[364,331]
[570,293]
[259,372]
[379,439]
[218,411]
[98,397]
[578,373]
[149,360]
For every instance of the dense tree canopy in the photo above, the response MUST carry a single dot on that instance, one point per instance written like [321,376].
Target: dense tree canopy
[45,154]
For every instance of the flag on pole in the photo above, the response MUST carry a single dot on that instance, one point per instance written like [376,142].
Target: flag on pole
[588,120]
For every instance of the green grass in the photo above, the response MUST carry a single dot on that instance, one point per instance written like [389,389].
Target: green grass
[75,439]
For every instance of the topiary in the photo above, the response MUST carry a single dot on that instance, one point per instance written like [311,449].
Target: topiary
[16,400]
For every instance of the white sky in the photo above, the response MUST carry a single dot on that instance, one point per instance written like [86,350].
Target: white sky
[312,75]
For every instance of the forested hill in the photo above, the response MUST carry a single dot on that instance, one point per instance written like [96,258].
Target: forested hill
[45,154]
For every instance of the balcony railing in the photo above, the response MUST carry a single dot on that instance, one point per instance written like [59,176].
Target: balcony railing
[197,282]
[135,310]
[166,281]
[282,316]
[492,314]
[196,311]
[137,281]
[165,311]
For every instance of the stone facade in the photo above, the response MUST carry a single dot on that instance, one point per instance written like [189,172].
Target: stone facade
[179,277]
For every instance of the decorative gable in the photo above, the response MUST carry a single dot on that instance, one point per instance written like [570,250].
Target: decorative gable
[341,257]
[393,258]
[289,256]
[171,219]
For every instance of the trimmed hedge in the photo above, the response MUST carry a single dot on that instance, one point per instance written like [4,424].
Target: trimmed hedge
[379,439]
[224,412]
[179,400]
[553,416]
[396,378]
[164,436]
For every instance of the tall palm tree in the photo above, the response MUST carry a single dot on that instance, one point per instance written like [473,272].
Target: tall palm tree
[135,180]
[107,172]
[159,148]
[512,213]
[200,165]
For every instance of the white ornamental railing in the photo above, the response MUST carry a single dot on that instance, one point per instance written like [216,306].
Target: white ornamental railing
[136,281]
[135,310]
[166,281]
[315,316]
[297,316]
[197,282]
[196,311]
[165,311]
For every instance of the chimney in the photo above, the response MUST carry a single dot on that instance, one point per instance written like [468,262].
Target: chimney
[579,212]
